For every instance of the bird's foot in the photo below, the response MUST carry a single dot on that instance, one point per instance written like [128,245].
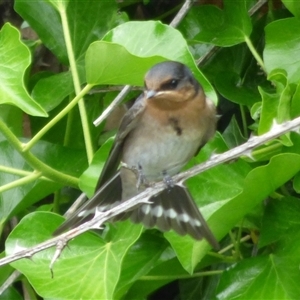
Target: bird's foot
[138,171]
[168,180]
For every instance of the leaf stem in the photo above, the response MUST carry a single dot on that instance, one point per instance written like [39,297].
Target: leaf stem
[267,150]
[185,276]
[34,162]
[19,172]
[255,53]
[76,82]
[27,179]
[56,201]
[57,118]
[244,121]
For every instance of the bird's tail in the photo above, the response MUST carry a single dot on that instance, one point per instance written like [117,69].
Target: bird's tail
[174,209]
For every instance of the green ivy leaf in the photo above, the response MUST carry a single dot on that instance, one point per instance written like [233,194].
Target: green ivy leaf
[89,268]
[63,87]
[43,16]
[264,277]
[256,186]
[151,40]
[15,200]
[59,4]
[15,58]
[293,6]
[141,258]
[282,46]
[89,178]
[280,215]
[211,191]
[230,86]
[223,28]
[103,68]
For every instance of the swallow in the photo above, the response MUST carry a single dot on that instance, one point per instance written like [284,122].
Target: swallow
[167,125]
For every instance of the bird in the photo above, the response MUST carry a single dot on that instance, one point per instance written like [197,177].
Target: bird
[167,125]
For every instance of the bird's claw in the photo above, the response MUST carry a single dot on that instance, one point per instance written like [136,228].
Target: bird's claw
[168,180]
[138,171]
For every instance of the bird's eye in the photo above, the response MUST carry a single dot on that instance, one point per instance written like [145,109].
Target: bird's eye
[174,83]
[170,85]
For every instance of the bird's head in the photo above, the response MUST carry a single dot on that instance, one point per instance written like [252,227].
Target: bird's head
[171,82]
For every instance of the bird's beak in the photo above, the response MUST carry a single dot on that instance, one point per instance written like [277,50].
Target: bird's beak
[150,94]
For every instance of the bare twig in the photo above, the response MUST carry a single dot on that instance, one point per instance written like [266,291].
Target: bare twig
[256,7]
[9,281]
[76,204]
[115,88]
[100,218]
[182,12]
[115,103]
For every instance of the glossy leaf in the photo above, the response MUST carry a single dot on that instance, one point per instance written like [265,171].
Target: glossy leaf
[101,65]
[276,275]
[44,18]
[233,135]
[59,4]
[15,58]
[223,28]
[159,40]
[293,6]
[280,216]
[89,178]
[231,87]
[91,265]
[64,87]
[141,258]
[264,277]
[282,46]
[21,197]
[276,107]
[256,186]
[211,191]
[161,275]
[12,116]
[295,104]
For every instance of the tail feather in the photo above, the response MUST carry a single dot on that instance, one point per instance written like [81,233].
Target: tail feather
[174,209]
[105,198]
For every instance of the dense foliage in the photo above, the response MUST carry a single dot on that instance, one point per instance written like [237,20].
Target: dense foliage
[50,149]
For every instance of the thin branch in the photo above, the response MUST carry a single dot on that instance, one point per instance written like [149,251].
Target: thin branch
[9,281]
[100,218]
[256,7]
[182,13]
[113,88]
[112,106]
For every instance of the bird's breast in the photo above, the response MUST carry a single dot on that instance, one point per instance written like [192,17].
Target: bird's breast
[163,142]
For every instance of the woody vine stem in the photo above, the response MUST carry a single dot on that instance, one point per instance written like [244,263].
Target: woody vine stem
[217,159]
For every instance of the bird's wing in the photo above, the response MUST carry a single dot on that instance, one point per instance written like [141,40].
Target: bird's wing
[109,188]
[174,209]
[128,123]
[107,196]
